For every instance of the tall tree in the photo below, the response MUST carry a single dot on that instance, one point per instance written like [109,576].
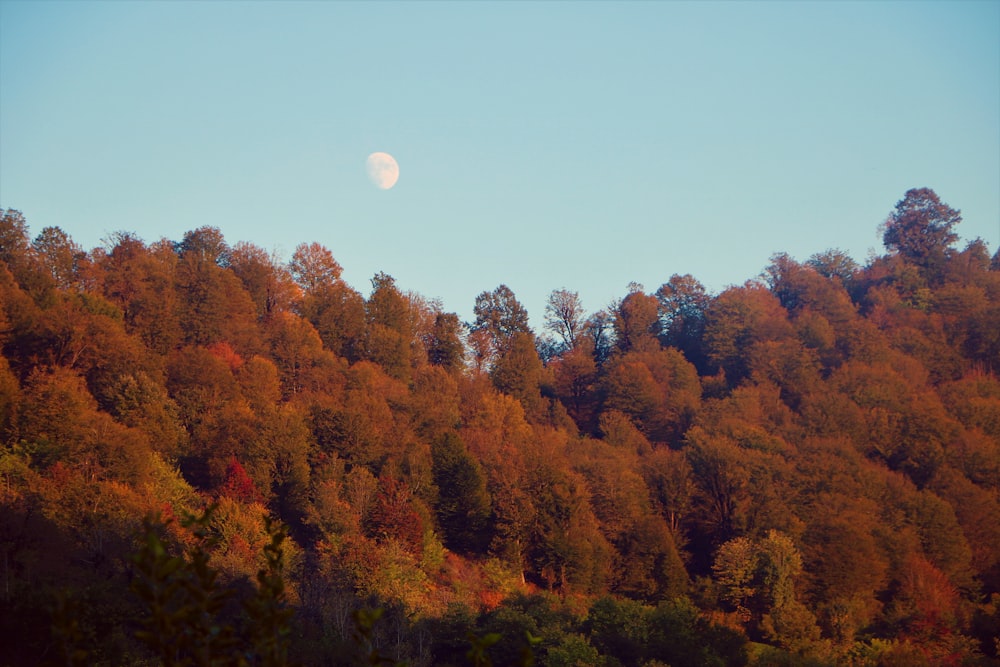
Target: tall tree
[682,305]
[636,322]
[564,316]
[215,307]
[835,263]
[518,372]
[463,505]
[205,244]
[739,319]
[921,229]
[444,347]
[501,316]
[60,255]
[20,256]
[268,282]
[390,331]
[313,265]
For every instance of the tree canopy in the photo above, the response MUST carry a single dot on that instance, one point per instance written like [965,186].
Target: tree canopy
[802,469]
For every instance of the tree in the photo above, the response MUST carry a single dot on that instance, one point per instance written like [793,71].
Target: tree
[719,470]
[183,612]
[843,564]
[737,320]
[518,372]
[575,376]
[313,265]
[9,400]
[390,331]
[658,389]
[433,403]
[445,347]
[267,281]
[142,282]
[835,263]
[600,330]
[920,229]
[566,547]
[21,257]
[338,313]
[650,567]
[238,484]
[636,322]
[60,255]
[501,316]
[671,487]
[297,352]
[214,305]
[564,316]
[682,305]
[394,516]
[463,505]
[205,244]
[758,577]
[14,245]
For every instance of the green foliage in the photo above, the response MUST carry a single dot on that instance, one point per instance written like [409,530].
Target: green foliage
[463,505]
[185,622]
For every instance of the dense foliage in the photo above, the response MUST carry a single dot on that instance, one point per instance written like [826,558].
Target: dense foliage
[804,469]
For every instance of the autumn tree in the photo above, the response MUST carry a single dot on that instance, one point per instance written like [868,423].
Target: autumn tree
[141,281]
[215,306]
[333,307]
[566,549]
[738,320]
[394,516]
[517,371]
[499,315]
[759,578]
[444,346]
[20,255]
[721,499]
[682,305]
[312,265]
[390,330]
[565,317]
[266,280]
[433,404]
[14,244]
[843,565]
[575,376]
[296,350]
[60,255]
[599,328]
[835,264]
[658,389]
[920,229]
[636,322]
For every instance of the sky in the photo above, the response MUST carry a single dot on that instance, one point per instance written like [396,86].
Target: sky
[548,145]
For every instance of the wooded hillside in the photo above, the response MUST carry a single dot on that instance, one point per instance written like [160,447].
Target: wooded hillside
[803,469]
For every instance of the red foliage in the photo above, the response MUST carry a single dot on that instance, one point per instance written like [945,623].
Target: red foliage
[395,517]
[238,484]
[225,351]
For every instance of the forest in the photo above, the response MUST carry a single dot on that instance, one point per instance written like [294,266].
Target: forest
[211,455]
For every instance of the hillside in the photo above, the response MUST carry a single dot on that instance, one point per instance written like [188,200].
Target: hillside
[803,469]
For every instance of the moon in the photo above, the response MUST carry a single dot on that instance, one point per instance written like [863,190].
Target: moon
[383,170]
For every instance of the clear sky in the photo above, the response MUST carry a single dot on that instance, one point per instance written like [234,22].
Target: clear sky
[577,145]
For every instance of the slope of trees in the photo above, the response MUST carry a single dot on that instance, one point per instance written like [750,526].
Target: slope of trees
[803,469]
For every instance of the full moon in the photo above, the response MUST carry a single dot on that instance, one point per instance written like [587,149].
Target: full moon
[382,170]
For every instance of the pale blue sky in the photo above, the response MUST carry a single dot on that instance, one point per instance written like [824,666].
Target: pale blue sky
[578,145]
